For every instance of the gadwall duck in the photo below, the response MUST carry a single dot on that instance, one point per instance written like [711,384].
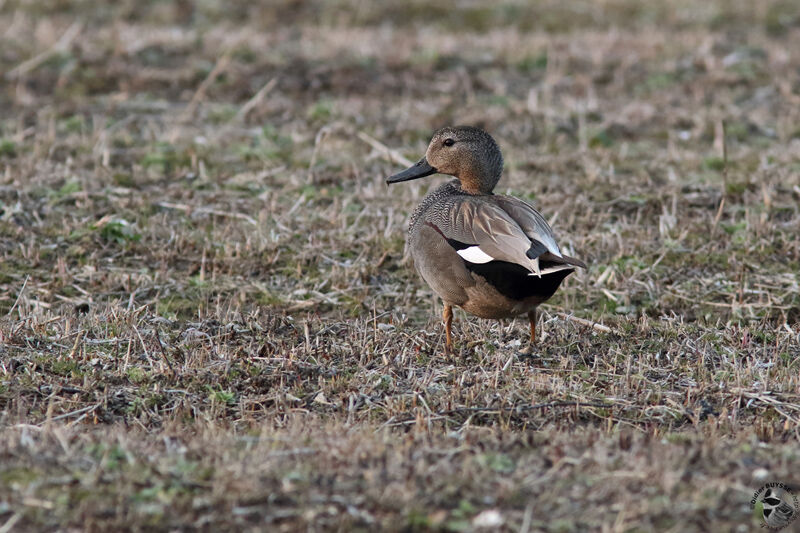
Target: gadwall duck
[492,255]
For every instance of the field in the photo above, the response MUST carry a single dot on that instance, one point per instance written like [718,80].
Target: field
[207,321]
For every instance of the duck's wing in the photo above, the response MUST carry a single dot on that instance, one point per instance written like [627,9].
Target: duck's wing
[536,228]
[482,232]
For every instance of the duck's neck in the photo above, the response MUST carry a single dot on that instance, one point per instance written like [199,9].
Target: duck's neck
[476,184]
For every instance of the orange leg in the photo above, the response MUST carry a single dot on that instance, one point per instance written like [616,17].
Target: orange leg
[447,315]
[532,318]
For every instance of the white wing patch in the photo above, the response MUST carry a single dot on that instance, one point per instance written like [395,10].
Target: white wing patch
[550,270]
[474,254]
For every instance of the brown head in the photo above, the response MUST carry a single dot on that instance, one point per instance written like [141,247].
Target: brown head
[470,154]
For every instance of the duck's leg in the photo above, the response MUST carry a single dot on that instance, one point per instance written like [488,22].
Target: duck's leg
[530,350]
[532,318]
[447,316]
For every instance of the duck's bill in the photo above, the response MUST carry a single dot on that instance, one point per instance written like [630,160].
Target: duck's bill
[419,170]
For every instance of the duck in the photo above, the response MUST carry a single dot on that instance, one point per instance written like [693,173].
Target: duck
[492,255]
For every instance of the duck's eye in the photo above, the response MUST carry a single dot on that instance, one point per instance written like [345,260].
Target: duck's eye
[448,142]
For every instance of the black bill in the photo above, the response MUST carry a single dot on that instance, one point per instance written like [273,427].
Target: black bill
[419,170]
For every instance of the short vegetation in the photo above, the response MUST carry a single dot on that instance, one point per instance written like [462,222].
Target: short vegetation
[207,321]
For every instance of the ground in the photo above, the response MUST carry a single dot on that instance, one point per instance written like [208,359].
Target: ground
[207,321]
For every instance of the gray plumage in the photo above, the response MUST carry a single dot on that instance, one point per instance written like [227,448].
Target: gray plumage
[493,255]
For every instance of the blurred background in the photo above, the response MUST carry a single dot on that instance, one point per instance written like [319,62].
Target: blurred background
[206,318]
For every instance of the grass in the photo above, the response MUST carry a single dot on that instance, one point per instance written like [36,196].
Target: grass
[206,318]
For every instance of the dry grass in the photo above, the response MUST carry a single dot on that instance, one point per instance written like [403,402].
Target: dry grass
[207,321]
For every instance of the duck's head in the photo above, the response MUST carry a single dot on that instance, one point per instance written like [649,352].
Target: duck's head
[470,154]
